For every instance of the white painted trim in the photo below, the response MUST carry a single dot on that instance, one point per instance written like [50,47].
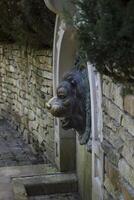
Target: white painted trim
[59,7]
[58,39]
[96,131]
[64,49]
[54,5]
[96,101]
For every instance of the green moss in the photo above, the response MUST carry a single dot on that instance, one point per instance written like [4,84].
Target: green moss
[26,22]
[106,30]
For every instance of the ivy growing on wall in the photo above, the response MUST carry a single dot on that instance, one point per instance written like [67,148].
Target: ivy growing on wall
[27,22]
[106,34]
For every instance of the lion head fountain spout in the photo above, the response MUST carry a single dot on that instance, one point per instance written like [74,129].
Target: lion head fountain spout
[70,103]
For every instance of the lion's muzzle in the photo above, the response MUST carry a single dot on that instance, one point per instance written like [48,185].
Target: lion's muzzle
[55,108]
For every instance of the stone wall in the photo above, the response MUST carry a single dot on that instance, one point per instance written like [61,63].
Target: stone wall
[25,86]
[84,171]
[118,144]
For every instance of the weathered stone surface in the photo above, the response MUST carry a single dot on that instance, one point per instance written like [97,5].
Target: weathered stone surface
[111,123]
[118,144]
[113,138]
[113,174]
[14,150]
[109,187]
[129,104]
[112,110]
[128,151]
[107,196]
[60,196]
[113,91]
[111,153]
[127,190]
[57,187]
[128,123]
[126,171]
[25,86]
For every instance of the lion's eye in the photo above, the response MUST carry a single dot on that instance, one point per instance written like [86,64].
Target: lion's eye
[61,95]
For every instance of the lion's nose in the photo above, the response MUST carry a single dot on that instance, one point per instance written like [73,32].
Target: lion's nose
[48,106]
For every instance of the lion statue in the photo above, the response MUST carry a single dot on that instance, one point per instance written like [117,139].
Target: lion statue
[72,103]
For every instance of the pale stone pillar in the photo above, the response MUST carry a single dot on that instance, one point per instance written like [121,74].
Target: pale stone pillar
[64,50]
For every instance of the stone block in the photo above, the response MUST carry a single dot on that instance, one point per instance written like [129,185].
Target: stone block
[113,138]
[112,154]
[128,123]
[127,190]
[31,115]
[49,61]
[112,173]
[42,59]
[128,151]
[12,68]
[26,135]
[113,91]
[107,196]
[1,50]
[67,154]
[125,135]
[45,74]
[129,104]
[33,125]
[106,86]
[53,184]
[46,90]
[25,111]
[112,110]
[126,171]
[109,187]
[110,123]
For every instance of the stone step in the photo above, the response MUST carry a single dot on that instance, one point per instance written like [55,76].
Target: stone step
[8,173]
[27,170]
[64,196]
[60,184]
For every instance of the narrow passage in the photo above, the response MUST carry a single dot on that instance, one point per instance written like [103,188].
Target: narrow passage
[14,151]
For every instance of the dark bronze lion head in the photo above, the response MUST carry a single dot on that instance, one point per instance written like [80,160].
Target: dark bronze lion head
[69,104]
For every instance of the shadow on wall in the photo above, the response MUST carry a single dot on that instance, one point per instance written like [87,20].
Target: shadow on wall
[26,84]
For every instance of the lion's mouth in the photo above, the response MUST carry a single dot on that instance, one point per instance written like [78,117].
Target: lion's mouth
[65,123]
